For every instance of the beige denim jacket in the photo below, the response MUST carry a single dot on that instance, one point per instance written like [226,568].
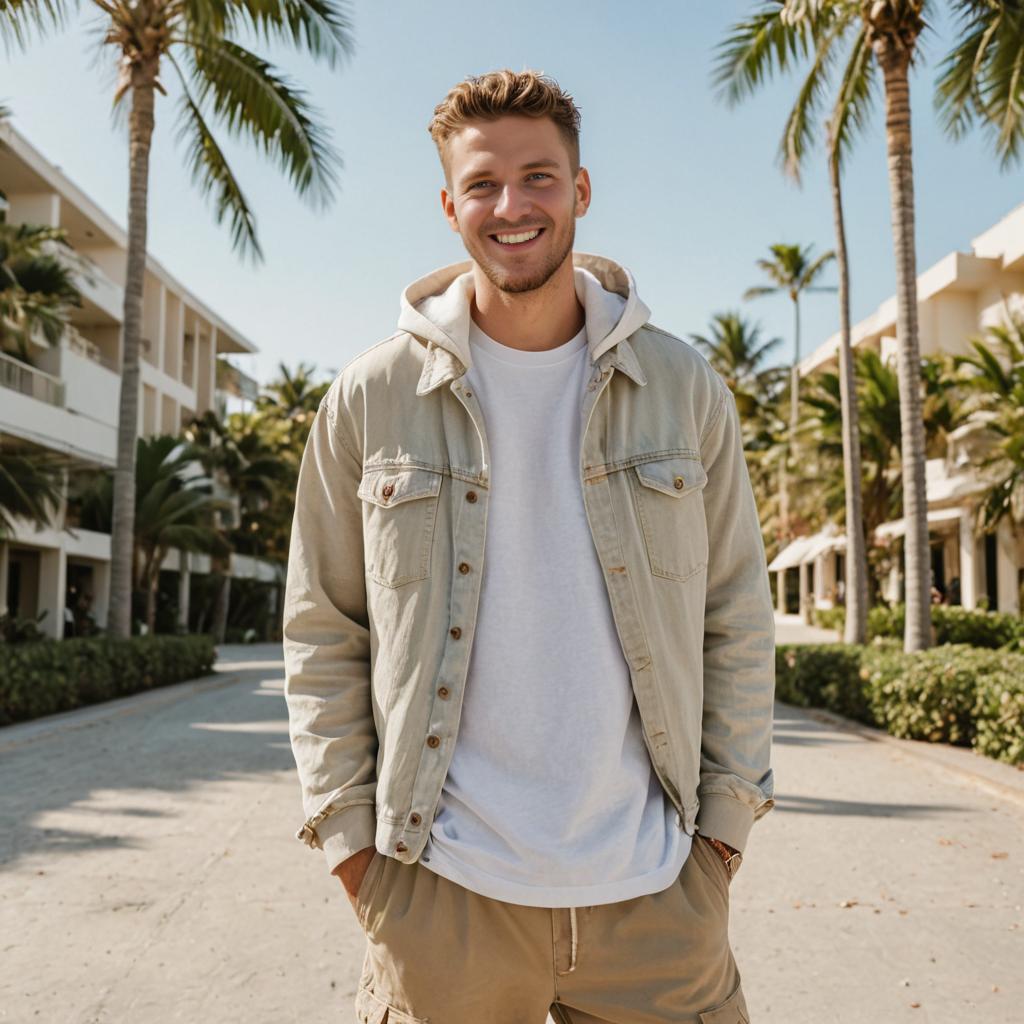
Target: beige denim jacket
[387,549]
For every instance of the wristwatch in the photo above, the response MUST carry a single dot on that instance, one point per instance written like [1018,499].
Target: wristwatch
[730,856]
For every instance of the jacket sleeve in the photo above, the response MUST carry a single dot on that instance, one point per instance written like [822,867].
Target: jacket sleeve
[327,648]
[736,785]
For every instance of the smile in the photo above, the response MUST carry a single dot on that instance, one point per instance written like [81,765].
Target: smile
[519,240]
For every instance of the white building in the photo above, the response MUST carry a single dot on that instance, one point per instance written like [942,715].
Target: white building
[68,399]
[958,297]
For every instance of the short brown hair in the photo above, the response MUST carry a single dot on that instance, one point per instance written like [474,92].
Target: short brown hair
[498,93]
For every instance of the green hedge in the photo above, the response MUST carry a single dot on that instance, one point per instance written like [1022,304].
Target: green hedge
[955,693]
[56,675]
[953,624]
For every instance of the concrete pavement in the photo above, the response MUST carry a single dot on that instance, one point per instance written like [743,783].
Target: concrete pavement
[150,872]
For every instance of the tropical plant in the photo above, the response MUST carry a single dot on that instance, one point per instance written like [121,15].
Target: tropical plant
[37,287]
[871,38]
[31,484]
[992,381]
[219,77]
[174,509]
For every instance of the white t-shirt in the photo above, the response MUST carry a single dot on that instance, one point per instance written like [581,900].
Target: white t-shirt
[551,799]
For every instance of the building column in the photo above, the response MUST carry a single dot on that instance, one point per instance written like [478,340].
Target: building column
[4,562]
[53,566]
[780,591]
[100,592]
[968,561]
[1007,594]
[184,579]
[805,594]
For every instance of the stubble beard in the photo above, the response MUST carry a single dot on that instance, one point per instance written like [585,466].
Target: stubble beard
[513,283]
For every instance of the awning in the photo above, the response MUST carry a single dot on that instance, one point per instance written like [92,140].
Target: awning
[806,549]
[896,527]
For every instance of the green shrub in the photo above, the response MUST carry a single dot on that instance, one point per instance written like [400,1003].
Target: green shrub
[953,624]
[953,693]
[47,676]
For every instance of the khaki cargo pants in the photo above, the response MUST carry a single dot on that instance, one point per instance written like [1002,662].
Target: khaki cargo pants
[438,953]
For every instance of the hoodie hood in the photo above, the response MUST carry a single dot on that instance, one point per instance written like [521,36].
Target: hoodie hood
[437,307]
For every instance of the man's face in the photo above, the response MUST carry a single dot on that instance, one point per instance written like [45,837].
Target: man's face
[512,177]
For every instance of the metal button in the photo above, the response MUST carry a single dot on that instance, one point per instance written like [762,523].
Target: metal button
[455,632]
[470,495]
[400,848]
[679,483]
[387,490]
[433,741]
[468,393]
[463,567]
[414,818]
[442,692]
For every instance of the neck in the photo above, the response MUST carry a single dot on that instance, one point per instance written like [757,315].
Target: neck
[536,320]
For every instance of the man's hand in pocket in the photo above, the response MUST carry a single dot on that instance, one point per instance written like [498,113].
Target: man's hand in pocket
[351,872]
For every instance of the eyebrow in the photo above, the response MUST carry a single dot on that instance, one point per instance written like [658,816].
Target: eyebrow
[487,172]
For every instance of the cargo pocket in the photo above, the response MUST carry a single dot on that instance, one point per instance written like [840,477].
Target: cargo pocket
[732,1011]
[399,512]
[372,1009]
[667,493]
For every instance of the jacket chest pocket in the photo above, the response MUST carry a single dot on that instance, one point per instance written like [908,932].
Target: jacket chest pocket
[667,493]
[399,513]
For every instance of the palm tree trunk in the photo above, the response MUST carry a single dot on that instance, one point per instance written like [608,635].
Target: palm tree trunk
[856,596]
[122,540]
[894,63]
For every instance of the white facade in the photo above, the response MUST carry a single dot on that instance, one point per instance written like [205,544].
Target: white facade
[68,399]
[958,297]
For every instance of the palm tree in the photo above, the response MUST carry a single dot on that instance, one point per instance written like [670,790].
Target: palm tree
[31,484]
[37,288]
[749,56]
[174,509]
[793,272]
[981,79]
[993,382]
[737,353]
[882,37]
[252,98]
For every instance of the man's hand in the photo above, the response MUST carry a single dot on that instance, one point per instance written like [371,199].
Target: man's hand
[352,870]
[724,850]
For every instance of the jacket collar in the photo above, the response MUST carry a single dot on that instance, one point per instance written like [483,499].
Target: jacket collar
[436,308]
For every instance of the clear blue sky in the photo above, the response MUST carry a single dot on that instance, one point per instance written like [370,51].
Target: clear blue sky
[686,192]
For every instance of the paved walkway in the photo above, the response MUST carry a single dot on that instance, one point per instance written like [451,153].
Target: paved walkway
[150,872]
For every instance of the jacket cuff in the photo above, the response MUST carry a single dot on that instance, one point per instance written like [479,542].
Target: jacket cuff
[347,832]
[726,818]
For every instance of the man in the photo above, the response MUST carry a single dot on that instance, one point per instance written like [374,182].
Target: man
[528,627]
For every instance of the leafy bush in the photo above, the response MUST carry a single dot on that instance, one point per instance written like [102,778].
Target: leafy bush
[953,624]
[954,693]
[47,676]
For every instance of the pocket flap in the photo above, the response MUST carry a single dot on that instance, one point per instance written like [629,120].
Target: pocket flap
[672,476]
[732,1011]
[391,485]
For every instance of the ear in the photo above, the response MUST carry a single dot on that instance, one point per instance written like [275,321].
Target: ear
[448,208]
[582,192]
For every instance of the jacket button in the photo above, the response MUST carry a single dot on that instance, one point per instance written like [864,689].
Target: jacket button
[414,818]
[468,393]
[470,495]
[463,567]
[387,490]
[442,692]
[400,848]
[432,741]
[455,632]
[679,483]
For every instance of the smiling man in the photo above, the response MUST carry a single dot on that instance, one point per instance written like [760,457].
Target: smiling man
[529,634]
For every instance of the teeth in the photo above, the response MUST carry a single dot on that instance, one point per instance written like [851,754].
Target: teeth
[507,239]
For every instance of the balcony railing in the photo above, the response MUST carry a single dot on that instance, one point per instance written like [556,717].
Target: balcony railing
[19,376]
[82,346]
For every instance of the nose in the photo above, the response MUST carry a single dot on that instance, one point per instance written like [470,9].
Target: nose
[512,205]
